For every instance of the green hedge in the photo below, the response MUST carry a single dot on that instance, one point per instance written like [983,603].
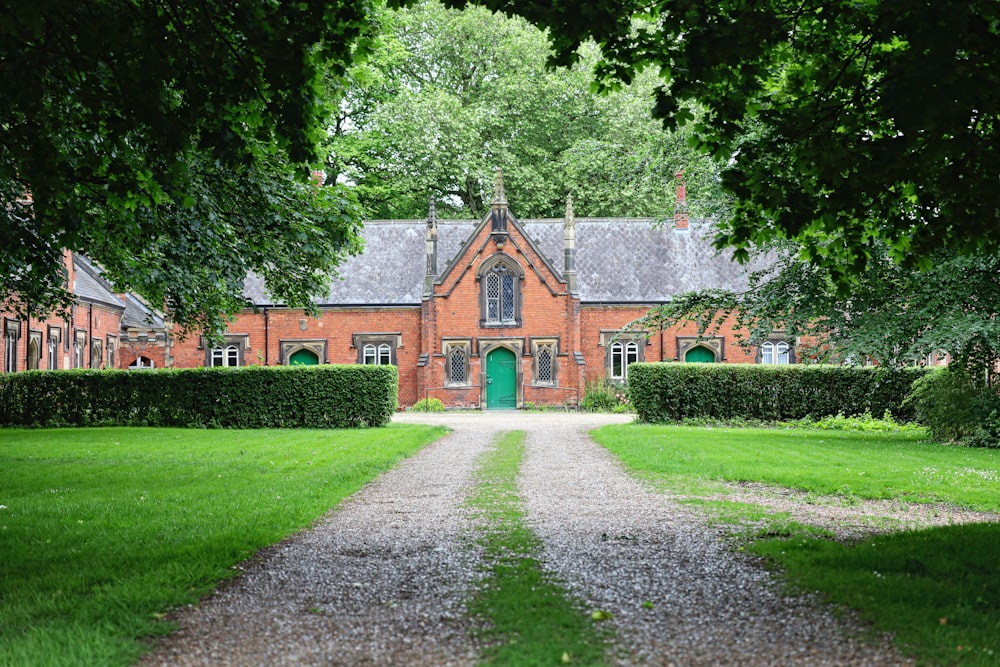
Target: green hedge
[252,397]
[669,392]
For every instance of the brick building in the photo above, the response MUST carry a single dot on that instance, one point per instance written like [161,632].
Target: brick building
[492,314]
[496,313]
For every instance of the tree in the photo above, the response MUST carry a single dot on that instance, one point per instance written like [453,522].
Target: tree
[848,126]
[448,96]
[170,142]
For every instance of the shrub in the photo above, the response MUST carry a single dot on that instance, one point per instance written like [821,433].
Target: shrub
[956,408]
[672,392]
[325,396]
[428,405]
[603,396]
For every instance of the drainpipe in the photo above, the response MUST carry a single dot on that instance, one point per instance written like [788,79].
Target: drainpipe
[267,346]
[90,333]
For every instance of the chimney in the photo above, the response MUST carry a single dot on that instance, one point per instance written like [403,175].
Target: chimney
[432,244]
[569,246]
[681,211]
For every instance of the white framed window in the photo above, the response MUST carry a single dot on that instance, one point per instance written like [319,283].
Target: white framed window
[142,364]
[377,355]
[11,334]
[228,356]
[79,348]
[620,355]
[55,340]
[775,352]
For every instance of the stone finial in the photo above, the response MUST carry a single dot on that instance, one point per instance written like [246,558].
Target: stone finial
[569,220]
[432,215]
[499,196]
[432,241]
[569,247]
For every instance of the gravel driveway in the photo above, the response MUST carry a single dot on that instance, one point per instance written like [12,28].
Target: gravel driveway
[381,580]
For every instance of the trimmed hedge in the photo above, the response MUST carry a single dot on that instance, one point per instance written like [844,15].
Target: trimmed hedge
[669,392]
[325,396]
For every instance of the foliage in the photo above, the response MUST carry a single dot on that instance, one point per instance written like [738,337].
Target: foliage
[863,422]
[842,123]
[604,396]
[670,392]
[529,617]
[106,530]
[428,405]
[326,396]
[958,407]
[170,142]
[448,96]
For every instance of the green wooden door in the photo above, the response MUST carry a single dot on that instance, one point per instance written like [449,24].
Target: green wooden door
[501,379]
[303,358]
[700,354]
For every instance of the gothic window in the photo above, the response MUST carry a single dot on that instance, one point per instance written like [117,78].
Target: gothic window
[79,348]
[96,356]
[545,353]
[500,285]
[11,333]
[34,350]
[55,338]
[112,352]
[620,355]
[142,363]
[456,363]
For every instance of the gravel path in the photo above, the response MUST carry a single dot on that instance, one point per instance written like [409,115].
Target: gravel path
[381,580]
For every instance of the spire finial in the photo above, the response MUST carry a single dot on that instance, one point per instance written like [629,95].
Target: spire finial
[570,221]
[432,216]
[499,196]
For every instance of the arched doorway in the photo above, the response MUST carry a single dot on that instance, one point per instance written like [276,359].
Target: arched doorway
[303,358]
[501,379]
[699,354]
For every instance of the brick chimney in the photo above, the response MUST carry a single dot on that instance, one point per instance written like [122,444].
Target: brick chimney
[680,210]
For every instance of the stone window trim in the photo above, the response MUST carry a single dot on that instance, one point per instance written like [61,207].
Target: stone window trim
[457,353]
[289,346]
[96,352]
[500,277]
[394,339]
[714,344]
[544,364]
[230,353]
[486,344]
[11,334]
[79,348]
[241,339]
[55,341]
[111,352]
[34,349]
[768,349]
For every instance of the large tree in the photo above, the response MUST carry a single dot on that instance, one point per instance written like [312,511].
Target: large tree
[170,142]
[448,96]
[844,123]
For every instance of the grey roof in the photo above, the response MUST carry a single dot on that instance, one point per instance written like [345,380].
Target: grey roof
[139,316]
[91,287]
[617,260]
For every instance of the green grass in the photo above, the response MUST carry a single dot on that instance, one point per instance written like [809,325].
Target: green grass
[102,531]
[528,618]
[936,590]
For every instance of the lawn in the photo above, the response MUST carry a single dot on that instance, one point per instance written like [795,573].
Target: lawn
[937,590]
[102,531]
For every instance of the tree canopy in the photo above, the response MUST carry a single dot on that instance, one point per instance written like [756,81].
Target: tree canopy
[170,142]
[447,96]
[847,126]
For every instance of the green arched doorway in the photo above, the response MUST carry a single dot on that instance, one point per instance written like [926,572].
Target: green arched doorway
[303,358]
[501,379]
[700,354]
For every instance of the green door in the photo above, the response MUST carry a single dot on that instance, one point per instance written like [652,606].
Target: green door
[501,379]
[700,354]
[303,358]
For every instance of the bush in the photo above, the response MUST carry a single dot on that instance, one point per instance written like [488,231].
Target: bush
[672,392]
[956,408]
[253,397]
[603,396]
[428,405]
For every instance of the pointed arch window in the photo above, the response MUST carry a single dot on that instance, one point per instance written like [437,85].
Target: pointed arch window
[500,283]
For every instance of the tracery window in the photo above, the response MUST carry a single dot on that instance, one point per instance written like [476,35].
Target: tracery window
[500,285]
[545,353]
[456,363]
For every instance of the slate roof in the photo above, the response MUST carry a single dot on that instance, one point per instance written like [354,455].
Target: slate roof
[90,287]
[618,260]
